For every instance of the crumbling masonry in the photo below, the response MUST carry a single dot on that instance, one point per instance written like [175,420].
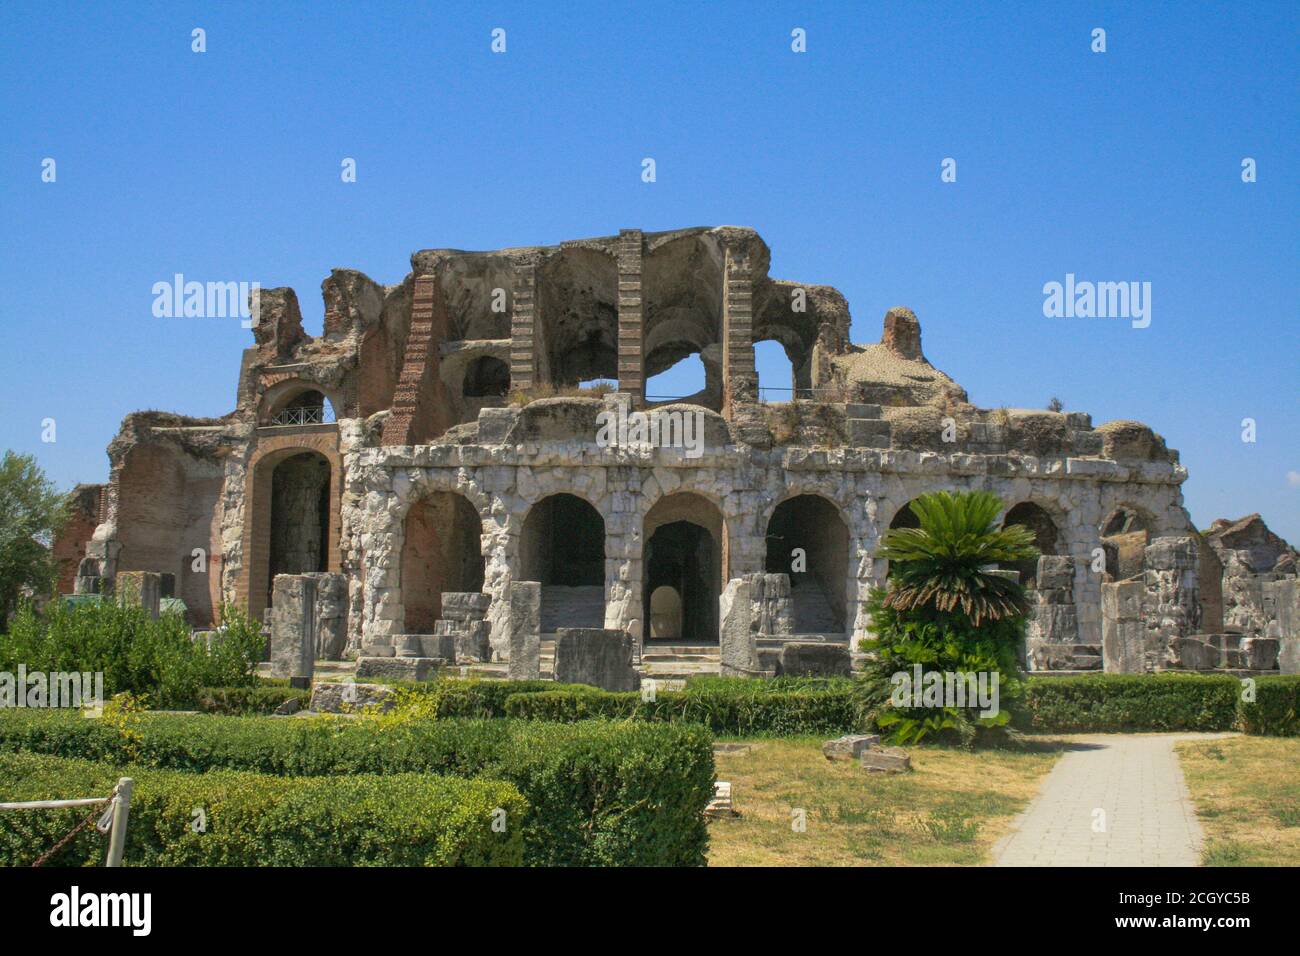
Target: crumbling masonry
[431,449]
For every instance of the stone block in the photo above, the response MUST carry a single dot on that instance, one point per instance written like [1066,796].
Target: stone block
[1260,653]
[1191,653]
[398,668]
[1055,572]
[857,410]
[1285,595]
[850,746]
[473,644]
[140,589]
[738,646]
[293,625]
[496,426]
[597,656]
[343,697]
[868,433]
[525,630]
[815,659]
[885,760]
[1122,632]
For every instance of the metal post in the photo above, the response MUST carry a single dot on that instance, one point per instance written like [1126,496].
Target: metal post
[117,833]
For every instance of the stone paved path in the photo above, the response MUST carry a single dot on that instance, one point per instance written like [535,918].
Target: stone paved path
[1136,781]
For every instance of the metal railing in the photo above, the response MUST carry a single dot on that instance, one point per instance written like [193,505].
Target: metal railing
[303,415]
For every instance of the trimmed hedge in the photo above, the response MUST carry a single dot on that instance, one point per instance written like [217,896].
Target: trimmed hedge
[1115,703]
[247,700]
[1276,708]
[256,820]
[599,793]
[749,711]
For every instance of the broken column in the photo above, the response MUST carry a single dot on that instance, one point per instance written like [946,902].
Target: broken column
[464,617]
[525,629]
[1052,631]
[293,626]
[331,614]
[738,646]
[601,657]
[1171,603]
[1284,599]
[1122,632]
[140,588]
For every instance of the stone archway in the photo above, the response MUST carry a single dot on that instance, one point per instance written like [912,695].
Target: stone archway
[299,519]
[684,535]
[562,546]
[808,539]
[1047,537]
[441,552]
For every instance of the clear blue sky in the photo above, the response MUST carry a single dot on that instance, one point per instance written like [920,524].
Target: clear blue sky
[1116,166]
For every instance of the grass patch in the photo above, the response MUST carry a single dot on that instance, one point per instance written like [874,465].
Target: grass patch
[950,810]
[1247,795]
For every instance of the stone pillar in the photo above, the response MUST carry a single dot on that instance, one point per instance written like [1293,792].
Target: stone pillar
[293,626]
[525,630]
[1171,606]
[331,615]
[464,618]
[739,648]
[597,656]
[631,335]
[741,380]
[1284,596]
[523,316]
[773,613]
[1122,631]
[1053,627]
[140,588]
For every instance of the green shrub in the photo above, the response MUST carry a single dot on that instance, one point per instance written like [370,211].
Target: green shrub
[262,699]
[599,793]
[134,652]
[1114,703]
[254,820]
[1275,712]
[734,707]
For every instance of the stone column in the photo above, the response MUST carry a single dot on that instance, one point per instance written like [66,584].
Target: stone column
[1122,631]
[1285,598]
[525,630]
[631,334]
[293,626]
[1171,606]
[739,647]
[1053,627]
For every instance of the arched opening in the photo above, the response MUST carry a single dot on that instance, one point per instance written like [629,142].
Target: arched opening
[1037,520]
[775,372]
[310,407]
[683,379]
[486,377]
[808,540]
[685,550]
[1124,536]
[563,547]
[441,553]
[905,518]
[300,517]
[576,334]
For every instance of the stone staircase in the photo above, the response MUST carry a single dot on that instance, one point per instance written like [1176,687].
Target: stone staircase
[572,607]
[809,606]
[680,660]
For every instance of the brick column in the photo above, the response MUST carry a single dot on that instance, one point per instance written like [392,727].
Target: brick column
[523,315]
[631,330]
[740,381]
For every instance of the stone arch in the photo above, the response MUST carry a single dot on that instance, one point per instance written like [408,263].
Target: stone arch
[298,392]
[442,535]
[259,569]
[814,524]
[684,537]
[562,545]
[1047,536]
[576,331]
[486,377]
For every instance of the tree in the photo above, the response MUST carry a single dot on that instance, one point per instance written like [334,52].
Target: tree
[946,612]
[32,512]
[1055,405]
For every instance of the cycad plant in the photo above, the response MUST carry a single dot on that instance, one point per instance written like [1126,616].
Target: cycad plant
[943,611]
[941,564]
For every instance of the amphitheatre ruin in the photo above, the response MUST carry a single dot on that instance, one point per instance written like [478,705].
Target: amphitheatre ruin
[423,482]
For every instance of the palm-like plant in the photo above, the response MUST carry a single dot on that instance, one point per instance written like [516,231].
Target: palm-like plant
[940,565]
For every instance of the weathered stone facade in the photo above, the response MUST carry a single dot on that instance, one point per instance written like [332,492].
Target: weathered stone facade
[432,444]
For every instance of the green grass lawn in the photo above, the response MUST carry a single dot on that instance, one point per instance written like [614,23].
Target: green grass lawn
[1247,795]
[949,810]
